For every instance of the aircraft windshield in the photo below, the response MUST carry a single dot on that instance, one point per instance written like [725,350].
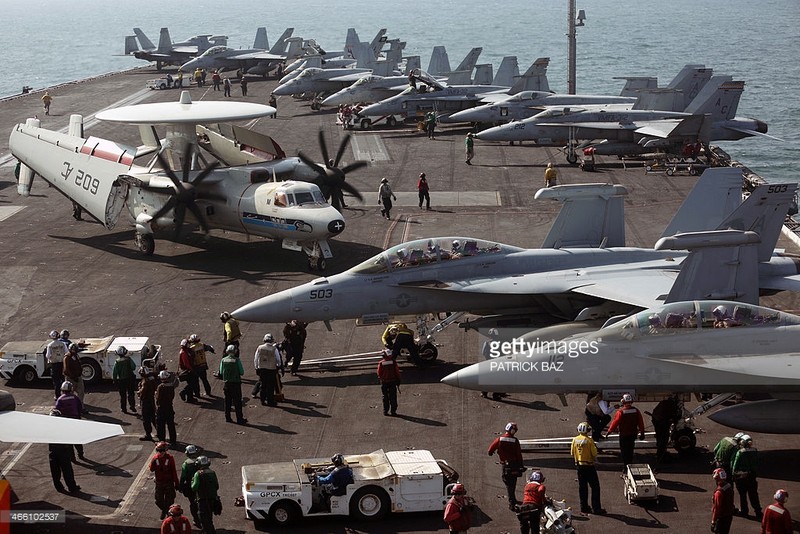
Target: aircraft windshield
[362,81]
[308,73]
[215,50]
[556,112]
[427,251]
[682,318]
[307,195]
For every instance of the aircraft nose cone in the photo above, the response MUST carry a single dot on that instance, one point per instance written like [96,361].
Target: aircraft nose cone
[498,133]
[371,110]
[336,227]
[461,116]
[283,90]
[466,378]
[276,308]
[334,100]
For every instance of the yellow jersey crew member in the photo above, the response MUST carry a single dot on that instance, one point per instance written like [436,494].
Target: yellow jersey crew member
[584,452]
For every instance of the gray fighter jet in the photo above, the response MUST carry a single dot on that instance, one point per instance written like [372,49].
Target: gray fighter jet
[457,274]
[258,60]
[167,52]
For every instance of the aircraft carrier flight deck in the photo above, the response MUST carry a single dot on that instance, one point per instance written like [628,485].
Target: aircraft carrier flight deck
[61,273]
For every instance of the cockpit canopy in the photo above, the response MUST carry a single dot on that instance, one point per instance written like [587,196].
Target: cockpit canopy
[309,72]
[550,113]
[691,316]
[427,251]
[215,51]
[299,194]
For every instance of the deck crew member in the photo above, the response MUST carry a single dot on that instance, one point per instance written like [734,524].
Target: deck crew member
[510,452]
[584,452]
[628,419]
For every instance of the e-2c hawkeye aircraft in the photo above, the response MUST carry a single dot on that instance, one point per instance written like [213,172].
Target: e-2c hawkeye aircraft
[458,274]
[247,197]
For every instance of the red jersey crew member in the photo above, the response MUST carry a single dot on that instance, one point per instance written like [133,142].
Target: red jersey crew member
[628,420]
[722,504]
[458,512]
[389,375]
[777,519]
[533,502]
[163,467]
[508,449]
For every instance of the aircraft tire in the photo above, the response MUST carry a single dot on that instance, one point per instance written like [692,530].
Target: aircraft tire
[146,244]
[572,159]
[684,440]
[428,354]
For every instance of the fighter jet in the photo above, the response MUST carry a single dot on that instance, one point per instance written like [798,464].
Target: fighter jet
[167,52]
[529,103]
[446,99]
[258,60]
[685,346]
[458,274]
[710,116]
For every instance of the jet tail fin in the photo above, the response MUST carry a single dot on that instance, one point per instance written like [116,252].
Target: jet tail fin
[412,63]
[583,206]
[351,41]
[261,42]
[130,44]
[634,84]
[534,79]
[715,195]
[376,45]
[470,60]
[483,74]
[164,41]
[507,72]
[295,47]
[146,43]
[763,212]
[439,64]
[689,82]
[719,98]
[279,46]
[721,265]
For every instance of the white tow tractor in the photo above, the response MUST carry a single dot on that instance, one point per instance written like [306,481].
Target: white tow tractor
[395,481]
[25,362]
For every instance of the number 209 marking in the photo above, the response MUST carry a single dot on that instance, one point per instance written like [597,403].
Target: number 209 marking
[316,294]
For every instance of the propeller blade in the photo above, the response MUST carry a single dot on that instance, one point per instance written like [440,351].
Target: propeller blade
[342,148]
[165,208]
[324,148]
[187,161]
[206,173]
[352,190]
[336,199]
[308,161]
[180,215]
[354,166]
[162,160]
[195,209]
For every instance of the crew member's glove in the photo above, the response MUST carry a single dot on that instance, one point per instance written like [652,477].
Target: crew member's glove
[713,526]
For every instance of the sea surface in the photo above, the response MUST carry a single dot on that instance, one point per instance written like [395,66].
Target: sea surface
[49,42]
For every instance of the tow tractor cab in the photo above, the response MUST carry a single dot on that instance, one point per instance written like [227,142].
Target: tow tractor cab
[395,481]
[25,361]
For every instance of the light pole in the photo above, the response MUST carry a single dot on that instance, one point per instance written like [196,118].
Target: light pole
[572,23]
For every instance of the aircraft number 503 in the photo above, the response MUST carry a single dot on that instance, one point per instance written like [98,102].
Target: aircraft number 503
[82,179]
[778,188]
[316,294]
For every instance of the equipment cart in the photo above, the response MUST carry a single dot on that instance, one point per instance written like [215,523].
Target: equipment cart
[640,484]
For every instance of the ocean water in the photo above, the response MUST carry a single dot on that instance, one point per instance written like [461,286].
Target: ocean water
[49,42]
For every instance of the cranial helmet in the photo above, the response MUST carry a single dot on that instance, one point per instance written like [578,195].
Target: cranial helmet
[191,450]
[458,489]
[65,334]
[511,427]
[121,351]
[164,375]
[654,320]
[268,338]
[224,316]
[67,386]
[230,349]
[627,398]
[162,446]
[194,338]
[184,342]
[781,495]
[54,334]
[337,459]
[175,510]
[456,243]
[720,311]
[203,461]
[422,175]
[536,476]
[74,347]
[738,436]
[719,474]
[584,428]
[746,440]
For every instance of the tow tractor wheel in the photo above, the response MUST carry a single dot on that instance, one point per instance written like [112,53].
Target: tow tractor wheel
[25,374]
[90,371]
[572,158]
[366,123]
[369,503]
[284,513]
[670,171]
[684,440]
[391,121]
[428,353]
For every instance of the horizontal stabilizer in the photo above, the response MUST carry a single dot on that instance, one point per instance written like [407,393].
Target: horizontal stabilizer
[23,427]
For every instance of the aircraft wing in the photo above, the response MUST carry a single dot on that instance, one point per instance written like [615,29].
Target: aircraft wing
[258,56]
[641,287]
[780,283]
[661,128]
[23,427]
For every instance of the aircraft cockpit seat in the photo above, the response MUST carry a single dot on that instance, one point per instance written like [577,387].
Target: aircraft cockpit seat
[741,315]
[674,320]
[416,256]
[470,248]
